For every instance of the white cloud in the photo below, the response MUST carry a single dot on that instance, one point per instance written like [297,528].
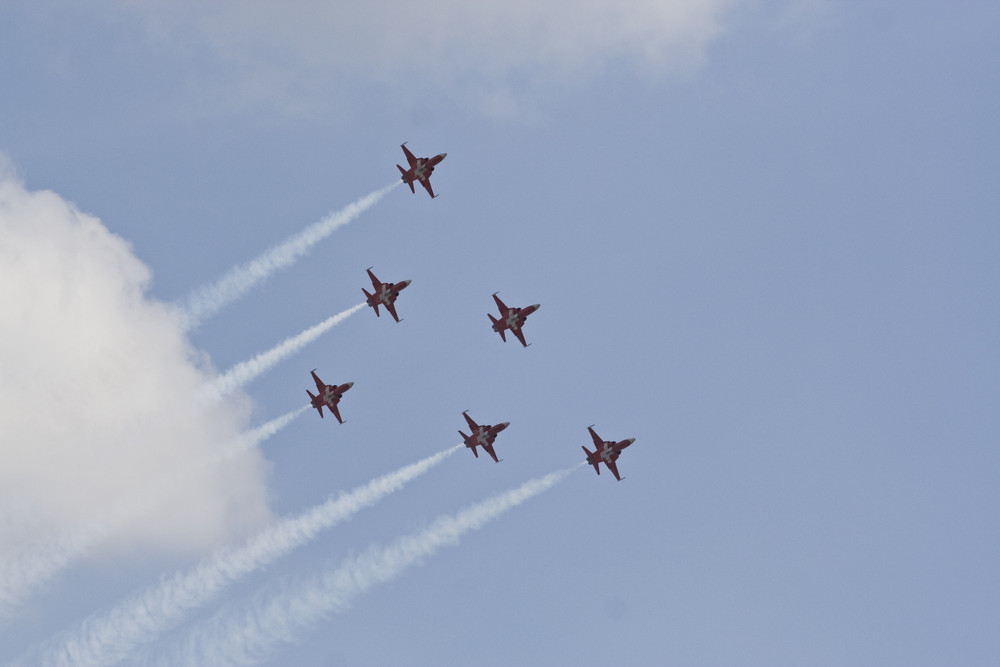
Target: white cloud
[98,392]
[297,50]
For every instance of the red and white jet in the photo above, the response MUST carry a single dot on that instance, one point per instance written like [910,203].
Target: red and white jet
[482,436]
[384,294]
[420,169]
[607,452]
[511,318]
[329,395]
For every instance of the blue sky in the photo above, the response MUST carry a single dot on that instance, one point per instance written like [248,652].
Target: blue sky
[764,240]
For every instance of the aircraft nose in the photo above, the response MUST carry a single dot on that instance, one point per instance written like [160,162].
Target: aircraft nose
[537,306]
[631,440]
[406,282]
[505,424]
[444,155]
[350,384]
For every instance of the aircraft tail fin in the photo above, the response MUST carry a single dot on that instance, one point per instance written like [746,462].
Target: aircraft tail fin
[499,330]
[369,298]
[313,399]
[472,447]
[590,460]
[405,179]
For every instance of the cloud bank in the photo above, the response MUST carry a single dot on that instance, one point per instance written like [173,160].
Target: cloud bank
[99,395]
[447,35]
[297,52]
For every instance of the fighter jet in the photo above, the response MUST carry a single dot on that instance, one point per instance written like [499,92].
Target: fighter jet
[384,294]
[329,395]
[420,169]
[607,452]
[511,318]
[482,435]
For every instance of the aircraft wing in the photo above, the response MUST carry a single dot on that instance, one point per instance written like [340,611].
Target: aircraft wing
[391,307]
[410,158]
[489,450]
[376,283]
[597,438]
[320,386]
[426,182]
[520,336]
[336,412]
[502,306]
[613,467]
[472,423]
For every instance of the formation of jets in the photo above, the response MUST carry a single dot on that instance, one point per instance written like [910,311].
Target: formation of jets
[511,319]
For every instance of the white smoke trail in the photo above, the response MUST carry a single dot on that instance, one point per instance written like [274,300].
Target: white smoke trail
[243,372]
[109,638]
[254,437]
[206,301]
[23,573]
[248,637]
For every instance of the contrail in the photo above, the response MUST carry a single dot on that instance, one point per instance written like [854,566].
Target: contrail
[207,300]
[247,637]
[243,372]
[22,575]
[254,437]
[109,638]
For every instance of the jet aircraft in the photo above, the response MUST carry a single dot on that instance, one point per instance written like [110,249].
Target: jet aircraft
[511,318]
[384,294]
[607,452]
[420,169]
[482,435]
[329,395]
